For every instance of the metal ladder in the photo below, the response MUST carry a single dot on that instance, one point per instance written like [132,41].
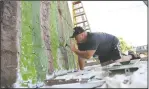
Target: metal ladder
[79,16]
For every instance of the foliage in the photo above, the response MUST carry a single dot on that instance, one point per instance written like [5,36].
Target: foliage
[123,45]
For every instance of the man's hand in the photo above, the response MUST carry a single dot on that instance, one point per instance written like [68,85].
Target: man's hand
[73,47]
[84,54]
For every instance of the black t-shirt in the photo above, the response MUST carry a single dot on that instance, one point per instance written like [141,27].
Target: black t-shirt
[101,42]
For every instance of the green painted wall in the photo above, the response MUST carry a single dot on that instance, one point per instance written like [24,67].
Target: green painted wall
[41,59]
[34,63]
[27,64]
[53,32]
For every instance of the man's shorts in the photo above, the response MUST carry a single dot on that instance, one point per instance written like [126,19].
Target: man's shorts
[113,55]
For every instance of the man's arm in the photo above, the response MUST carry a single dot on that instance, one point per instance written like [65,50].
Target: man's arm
[84,54]
[90,49]
[81,62]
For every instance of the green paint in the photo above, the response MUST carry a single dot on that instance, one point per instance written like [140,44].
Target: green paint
[61,33]
[68,29]
[65,27]
[53,33]
[27,66]
[33,59]
[41,59]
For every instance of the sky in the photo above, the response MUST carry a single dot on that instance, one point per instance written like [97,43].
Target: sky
[126,19]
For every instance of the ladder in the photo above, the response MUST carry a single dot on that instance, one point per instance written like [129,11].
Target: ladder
[79,16]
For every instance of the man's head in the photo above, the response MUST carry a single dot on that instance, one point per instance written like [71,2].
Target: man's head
[79,34]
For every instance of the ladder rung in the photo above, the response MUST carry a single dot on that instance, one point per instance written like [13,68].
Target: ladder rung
[81,22]
[87,29]
[79,14]
[76,2]
[86,25]
[77,8]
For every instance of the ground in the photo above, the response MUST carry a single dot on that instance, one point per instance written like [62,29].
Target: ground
[138,78]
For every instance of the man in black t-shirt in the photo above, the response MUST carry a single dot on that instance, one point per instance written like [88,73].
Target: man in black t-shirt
[104,45]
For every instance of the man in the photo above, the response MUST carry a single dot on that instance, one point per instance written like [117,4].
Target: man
[105,46]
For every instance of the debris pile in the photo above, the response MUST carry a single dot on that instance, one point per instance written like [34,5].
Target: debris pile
[97,77]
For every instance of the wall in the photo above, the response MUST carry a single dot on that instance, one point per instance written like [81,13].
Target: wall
[9,42]
[41,30]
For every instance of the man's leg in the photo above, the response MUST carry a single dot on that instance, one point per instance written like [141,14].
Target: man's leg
[118,57]
[124,58]
[105,60]
[131,55]
[115,55]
